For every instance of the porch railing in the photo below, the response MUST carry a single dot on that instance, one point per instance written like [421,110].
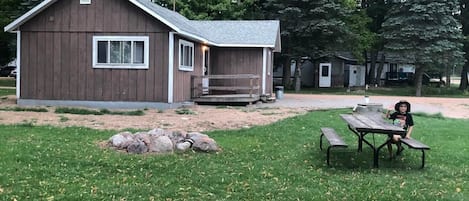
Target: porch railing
[225,85]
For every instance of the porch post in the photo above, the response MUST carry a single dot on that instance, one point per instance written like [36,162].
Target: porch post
[18,64]
[170,67]
[264,68]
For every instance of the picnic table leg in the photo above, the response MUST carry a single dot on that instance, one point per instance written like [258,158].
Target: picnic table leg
[376,154]
[375,150]
[423,159]
[320,141]
[360,138]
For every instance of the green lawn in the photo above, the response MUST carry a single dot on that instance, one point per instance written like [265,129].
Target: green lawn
[7,82]
[281,161]
[453,91]
[6,92]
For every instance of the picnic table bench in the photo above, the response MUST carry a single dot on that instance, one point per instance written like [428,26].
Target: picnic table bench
[415,144]
[333,138]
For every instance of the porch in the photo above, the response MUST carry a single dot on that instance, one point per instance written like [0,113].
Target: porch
[238,88]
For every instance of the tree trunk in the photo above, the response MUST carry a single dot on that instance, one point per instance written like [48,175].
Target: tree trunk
[372,72]
[448,77]
[380,69]
[418,80]
[297,76]
[464,82]
[287,73]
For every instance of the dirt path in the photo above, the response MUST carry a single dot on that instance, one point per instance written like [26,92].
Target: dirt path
[214,118]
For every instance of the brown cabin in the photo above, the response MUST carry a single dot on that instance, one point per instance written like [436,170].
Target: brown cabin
[135,54]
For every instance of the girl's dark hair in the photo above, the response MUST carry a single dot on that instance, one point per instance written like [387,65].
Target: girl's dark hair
[396,107]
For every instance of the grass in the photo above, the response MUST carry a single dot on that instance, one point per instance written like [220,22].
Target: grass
[6,82]
[281,161]
[7,92]
[185,111]
[83,111]
[24,109]
[390,91]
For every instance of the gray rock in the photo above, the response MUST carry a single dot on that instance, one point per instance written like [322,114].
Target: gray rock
[194,135]
[176,136]
[183,146]
[143,136]
[156,131]
[163,141]
[121,140]
[160,144]
[203,143]
[137,147]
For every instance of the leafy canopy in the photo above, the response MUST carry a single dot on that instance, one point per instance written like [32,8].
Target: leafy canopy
[318,28]
[214,9]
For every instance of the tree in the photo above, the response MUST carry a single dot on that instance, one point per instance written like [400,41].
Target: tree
[376,10]
[464,18]
[313,29]
[424,32]
[213,9]
[361,38]
[10,10]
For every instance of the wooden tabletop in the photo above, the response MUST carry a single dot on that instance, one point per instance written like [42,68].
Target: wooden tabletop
[371,124]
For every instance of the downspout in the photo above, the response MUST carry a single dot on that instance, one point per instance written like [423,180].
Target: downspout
[18,64]
[171,67]
[264,68]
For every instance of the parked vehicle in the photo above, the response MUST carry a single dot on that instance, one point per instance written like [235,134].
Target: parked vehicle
[5,71]
[13,73]
[433,79]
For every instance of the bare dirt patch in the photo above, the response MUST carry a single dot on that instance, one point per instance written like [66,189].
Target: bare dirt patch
[205,118]
[208,118]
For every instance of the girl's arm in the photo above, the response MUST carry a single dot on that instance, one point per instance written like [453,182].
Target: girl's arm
[388,113]
[409,131]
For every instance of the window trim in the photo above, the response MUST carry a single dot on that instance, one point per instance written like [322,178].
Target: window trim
[191,45]
[146,49]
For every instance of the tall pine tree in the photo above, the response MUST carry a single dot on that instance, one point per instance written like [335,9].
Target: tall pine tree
[424,32]
[311,28]
[464,18]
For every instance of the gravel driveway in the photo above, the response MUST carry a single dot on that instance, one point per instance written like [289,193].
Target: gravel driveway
[448,107]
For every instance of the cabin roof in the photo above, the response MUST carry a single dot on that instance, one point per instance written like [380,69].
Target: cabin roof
[232,33]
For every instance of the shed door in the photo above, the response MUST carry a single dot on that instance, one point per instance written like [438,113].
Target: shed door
[325,74]
[354,76]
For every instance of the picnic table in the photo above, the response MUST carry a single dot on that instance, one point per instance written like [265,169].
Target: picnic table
[364,124]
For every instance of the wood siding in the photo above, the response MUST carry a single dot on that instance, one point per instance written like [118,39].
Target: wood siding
[236,61]
[56,53]
[182,79]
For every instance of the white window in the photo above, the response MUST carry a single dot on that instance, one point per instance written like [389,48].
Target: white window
[186,55]
[85,2]
[128,52]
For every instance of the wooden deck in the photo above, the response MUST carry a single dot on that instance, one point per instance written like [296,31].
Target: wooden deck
[241,88]
[228,98]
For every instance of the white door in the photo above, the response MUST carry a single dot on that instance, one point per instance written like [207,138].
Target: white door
[205,70]
[325,74]
[357,76]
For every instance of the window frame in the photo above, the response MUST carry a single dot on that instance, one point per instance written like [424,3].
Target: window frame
[132,39]
[190,45]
